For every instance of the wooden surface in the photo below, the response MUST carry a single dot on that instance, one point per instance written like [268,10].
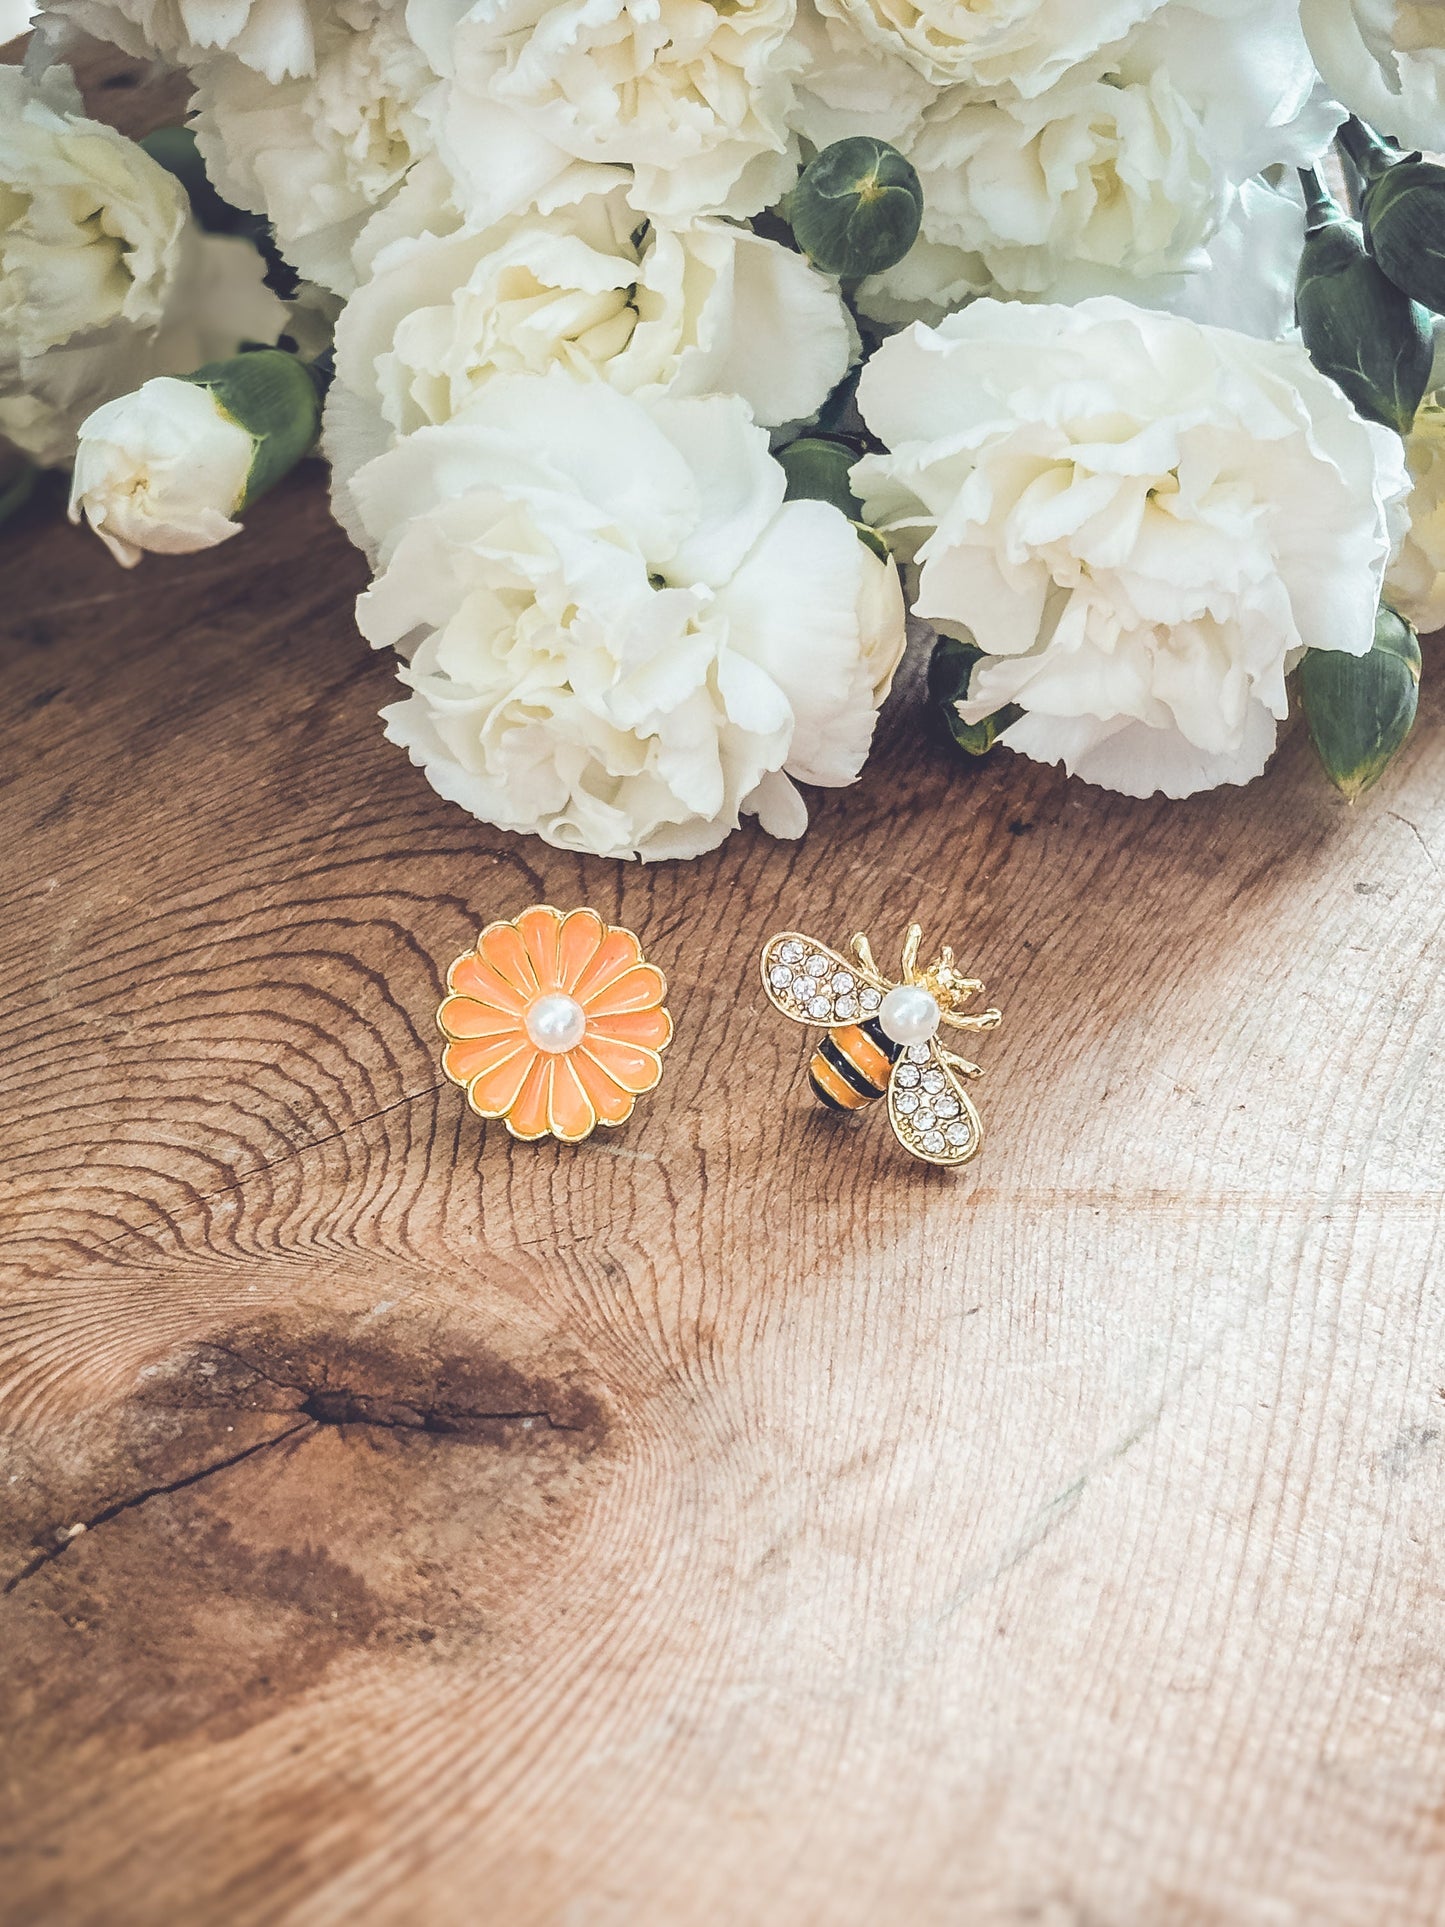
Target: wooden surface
[726,1522]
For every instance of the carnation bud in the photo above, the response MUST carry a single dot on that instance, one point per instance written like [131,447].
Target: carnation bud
[1403,209]
[1360,329]
[169,467]
[817,471]
[274,398]
[856,208]
[950,669]
[1361,708]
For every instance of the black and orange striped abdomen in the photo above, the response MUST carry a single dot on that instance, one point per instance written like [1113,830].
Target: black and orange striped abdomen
[851,1067]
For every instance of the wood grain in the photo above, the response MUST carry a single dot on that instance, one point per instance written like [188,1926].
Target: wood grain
[727,1521]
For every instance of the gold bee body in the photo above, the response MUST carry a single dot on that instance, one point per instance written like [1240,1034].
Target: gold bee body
[882,1037]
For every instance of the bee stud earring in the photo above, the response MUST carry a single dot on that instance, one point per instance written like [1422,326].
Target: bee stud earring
[883,1037]
[554,1024]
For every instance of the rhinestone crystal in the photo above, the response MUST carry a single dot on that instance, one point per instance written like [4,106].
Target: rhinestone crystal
[847,1007]
[918,1053]
[906,1103]
[906,1076]
[934,1081]
[947,1107]
[842,982]
[957,1134]
[872,999]
[780,976]
[934,1141]
[790,952]
[819,1007]
[816,966]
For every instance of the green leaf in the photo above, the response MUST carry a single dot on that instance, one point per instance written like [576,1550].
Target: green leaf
[857,208]
[1361,709]
[950,670]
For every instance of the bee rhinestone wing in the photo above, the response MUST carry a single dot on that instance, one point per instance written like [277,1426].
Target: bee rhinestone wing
[931,1112]
[812,984]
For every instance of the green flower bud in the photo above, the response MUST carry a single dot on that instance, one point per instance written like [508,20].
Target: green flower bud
[1362,708]
[817,471]
[1403,209]
[272,396]
[950,669]
[1360,329]
[856,208]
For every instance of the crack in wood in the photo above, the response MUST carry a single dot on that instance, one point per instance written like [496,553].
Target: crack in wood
[48,1554]
[343,1407]
[320,1407]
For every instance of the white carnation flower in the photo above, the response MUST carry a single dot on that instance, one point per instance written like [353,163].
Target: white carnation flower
[702,308]
[1101,172]
[693,97]
[1386,60]
[619,636]
[163,469]
[90,225]
[1116,179]
[1416,582]
[104,277]
[320,155]
[273,36]
[1244,279]
[1140,520]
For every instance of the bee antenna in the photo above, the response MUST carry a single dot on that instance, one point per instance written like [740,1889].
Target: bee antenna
[911,945]
[863,951]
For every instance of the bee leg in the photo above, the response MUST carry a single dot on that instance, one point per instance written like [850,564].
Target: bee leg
[961,1064]
[985,1020]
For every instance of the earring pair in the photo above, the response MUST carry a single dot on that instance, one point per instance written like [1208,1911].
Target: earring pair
[556,1023]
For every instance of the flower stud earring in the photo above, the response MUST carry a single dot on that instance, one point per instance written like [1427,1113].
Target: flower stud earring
[883,1037]
[554,1024]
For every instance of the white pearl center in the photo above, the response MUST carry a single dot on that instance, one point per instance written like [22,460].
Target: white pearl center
[908,1015]
[556,1022]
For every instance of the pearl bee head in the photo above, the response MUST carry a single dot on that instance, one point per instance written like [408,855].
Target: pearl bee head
[909,1014]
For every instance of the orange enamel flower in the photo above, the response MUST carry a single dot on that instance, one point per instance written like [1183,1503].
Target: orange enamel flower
[554,1023]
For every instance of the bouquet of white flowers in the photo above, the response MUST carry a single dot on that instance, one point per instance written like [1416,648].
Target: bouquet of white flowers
[674,351]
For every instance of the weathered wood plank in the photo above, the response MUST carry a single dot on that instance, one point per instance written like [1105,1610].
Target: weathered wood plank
[725,1521]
